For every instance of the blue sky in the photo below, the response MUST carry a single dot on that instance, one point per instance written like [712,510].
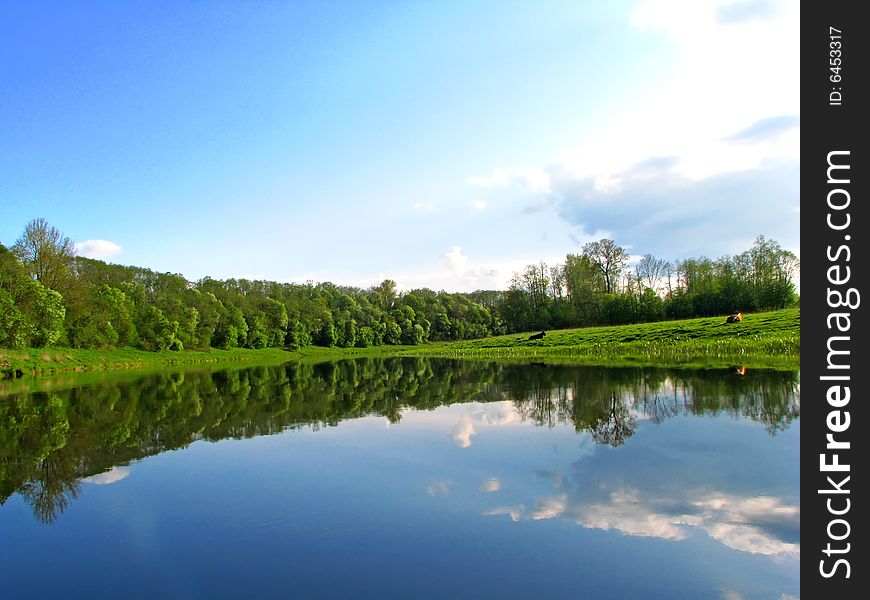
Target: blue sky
[442,144]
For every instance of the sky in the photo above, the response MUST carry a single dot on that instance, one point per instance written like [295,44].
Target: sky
[440,144]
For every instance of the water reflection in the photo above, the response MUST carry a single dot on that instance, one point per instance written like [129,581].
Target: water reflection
[766,525]
[52,442]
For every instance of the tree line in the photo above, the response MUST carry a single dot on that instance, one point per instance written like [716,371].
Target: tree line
[599,286]
[51,297]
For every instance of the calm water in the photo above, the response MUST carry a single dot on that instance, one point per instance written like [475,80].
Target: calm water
[405,477]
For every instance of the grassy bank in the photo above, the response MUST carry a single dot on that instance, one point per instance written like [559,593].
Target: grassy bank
[46,361]
[761,340]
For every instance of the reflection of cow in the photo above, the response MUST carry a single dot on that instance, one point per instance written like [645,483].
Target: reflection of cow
[740,370]
[734,318]
[538,336]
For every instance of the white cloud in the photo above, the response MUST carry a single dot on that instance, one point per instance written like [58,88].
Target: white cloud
[478,205]
[98,249]
[455,260]
[113,475]
[717,141]
[459,272]
[714,92]
[671,215]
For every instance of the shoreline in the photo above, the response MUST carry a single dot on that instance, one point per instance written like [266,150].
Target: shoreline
[762,340]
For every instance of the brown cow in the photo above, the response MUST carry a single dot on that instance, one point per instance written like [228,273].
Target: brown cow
[734,318]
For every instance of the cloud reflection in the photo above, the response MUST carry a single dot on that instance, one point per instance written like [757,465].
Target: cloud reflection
[462,432]
[113,475]
[493,484]
[494,414]
[755,524]
[746,524]
[441,487]
[514,512]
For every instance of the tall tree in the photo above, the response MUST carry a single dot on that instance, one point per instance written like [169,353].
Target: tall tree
[610,260]
[47,253]
[650,270]
[584,281]
[385,294]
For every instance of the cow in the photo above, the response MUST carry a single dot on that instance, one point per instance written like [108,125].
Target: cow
[734,318]
[538,336]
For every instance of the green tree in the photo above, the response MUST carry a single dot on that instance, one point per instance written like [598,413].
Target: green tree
[326,333]
[14,325]
[365,337]
[14,277]
[276,321]
[47,254]
[209,310]
[107,321]
[651,307]
[297,335]
[257,335]
[392,333]
[346,333]
[385,294]
[609,259]
[48,318]
[156,332]
[231,330]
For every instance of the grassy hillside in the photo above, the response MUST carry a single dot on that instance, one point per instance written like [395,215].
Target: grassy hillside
[770,339]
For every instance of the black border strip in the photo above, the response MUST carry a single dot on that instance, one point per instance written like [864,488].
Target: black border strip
[832,119]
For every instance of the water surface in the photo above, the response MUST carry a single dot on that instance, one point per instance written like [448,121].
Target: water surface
[405,477]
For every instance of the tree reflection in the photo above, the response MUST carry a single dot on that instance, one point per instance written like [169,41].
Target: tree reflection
[53,489]
[49,441]
[619,425]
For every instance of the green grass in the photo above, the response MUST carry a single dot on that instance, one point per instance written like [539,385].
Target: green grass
[46,361]
[770,339]
[761,340]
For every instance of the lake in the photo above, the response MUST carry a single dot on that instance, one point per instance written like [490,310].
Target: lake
[405,477]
